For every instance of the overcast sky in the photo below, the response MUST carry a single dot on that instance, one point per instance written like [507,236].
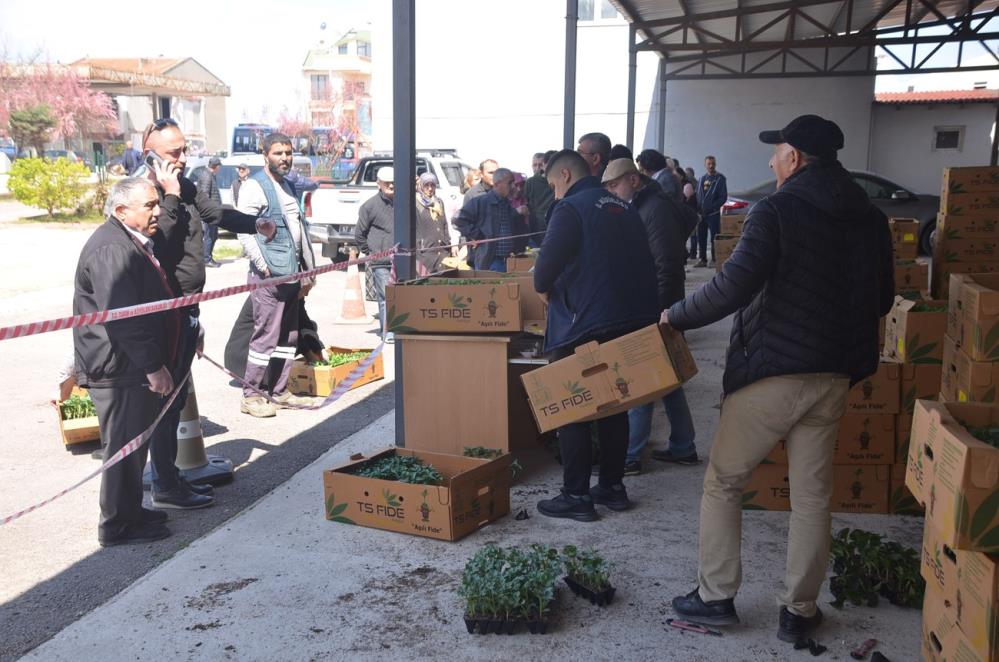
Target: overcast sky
[242,42]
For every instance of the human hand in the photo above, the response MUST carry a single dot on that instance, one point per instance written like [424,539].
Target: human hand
[160,381]
[523,210]
[454,251]
[267,228]
[306,288]
[166,176]
[664,318]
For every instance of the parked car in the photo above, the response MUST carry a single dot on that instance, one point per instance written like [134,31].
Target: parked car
[332,208]
[227,174]
[8,147]
[53,154]
[891,198]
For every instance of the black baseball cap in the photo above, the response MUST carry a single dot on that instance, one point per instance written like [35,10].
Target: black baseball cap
[811,134]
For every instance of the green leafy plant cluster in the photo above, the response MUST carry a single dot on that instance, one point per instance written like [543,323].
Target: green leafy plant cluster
[928,308]
[511,583]
[336,360]
[456,281]
[587,567]
[77,406]
[401,468]
[490,453]
[50,185]
[866,568]
[986,434]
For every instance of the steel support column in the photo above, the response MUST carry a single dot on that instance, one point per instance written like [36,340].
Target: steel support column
[632,74]
[662,105]
[404,162]
[569,110]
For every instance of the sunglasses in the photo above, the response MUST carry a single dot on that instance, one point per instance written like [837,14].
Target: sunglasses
[158,125]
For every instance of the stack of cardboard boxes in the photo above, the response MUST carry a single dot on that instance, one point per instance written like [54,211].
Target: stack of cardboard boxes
[967,238]
[956,476]
[911,277]
[971,350]
[729,233]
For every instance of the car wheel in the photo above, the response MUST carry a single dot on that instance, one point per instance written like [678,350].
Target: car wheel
[926,237]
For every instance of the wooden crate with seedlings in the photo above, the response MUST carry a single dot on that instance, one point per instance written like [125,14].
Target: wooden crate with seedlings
[77,418]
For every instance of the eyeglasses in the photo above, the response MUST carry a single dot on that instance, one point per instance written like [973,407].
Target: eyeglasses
[157,125]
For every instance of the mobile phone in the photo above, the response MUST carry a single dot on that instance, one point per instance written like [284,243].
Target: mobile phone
[151,158]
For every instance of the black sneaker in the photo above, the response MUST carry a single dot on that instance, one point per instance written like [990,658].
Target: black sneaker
[151,516]
[615,497]
[633,468]
[207,490]
[212,264]
[667,456]
[181,498]
[794,628]
[716,612]
[579,508]
[135,534]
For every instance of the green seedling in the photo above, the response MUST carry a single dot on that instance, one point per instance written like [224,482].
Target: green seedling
[490,453]
[928,308]
[586,567]
[511,583]
[77,406]
[336,360]
[866,568]
[401,468]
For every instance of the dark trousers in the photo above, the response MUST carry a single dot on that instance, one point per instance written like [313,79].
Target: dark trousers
[163,444]
[211,235]
[123,414]
[709,225]
[275,336]
[576,445]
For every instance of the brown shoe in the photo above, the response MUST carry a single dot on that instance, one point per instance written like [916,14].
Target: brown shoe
[286,398]
[257,407]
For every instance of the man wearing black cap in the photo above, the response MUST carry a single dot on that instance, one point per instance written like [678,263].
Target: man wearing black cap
[810,278]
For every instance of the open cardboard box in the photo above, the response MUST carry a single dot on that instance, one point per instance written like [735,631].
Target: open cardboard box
[475,492]
[905,237]
[973,314]
[320,380]
[913,335]
[954,475]
[77,430]
[968,585]
[602,379]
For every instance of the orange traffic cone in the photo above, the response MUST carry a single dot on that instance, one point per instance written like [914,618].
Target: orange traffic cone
[352,310]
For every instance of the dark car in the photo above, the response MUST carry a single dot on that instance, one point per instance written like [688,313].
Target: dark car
[894,200]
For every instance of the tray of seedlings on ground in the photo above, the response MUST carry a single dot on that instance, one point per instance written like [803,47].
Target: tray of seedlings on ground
[401,468]
[504,588]
[76,407]
[338,359]
[492,453]
[588,575]
[866,568]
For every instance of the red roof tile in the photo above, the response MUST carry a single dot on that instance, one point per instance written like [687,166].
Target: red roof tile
[938,96]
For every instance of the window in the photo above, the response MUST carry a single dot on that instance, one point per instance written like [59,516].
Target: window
[320,87]
[876,189]
[364,48]
[342,49]
[948,137]
[453,174]
[585,8]
[607,10]
[588,10]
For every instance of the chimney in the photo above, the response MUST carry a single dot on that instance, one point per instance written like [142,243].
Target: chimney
[912,88]
[981,85]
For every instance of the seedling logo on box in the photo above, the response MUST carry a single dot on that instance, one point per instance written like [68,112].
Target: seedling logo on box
[492,307]
[425,509]
[577,396]
[621,384]
[392,507]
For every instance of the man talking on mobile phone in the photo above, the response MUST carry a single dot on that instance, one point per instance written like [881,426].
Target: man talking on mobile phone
[179,245]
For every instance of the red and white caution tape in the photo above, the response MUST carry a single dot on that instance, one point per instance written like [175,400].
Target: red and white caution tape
[126,450]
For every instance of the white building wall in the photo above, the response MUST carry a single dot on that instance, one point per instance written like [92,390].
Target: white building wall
[724,118]
[902,145]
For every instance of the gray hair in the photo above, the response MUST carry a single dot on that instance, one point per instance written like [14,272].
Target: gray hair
[502,174]
[121,193]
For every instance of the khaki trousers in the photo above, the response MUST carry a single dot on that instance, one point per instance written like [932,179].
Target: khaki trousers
[805,410]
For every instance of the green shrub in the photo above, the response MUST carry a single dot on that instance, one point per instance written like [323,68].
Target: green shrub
[50,185]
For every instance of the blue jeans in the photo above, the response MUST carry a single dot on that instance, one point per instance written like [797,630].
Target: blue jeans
[163,442]
[379,275]
[211,234]
[710,224]
[498,264]
[681,426]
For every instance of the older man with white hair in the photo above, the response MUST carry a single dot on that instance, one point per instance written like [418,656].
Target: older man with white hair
[127,363]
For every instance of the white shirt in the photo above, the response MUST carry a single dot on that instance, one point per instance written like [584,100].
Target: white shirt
[252,200]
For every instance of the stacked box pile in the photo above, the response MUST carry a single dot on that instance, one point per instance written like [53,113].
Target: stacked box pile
[953,470]
[967,235]
[729,233]
[971,348]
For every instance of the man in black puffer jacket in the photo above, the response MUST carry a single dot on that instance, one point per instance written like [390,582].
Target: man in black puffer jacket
[808,282]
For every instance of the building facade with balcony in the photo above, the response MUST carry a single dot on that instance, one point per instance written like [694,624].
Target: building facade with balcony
[338,77]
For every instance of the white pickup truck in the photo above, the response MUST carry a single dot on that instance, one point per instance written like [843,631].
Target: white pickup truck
[332,208]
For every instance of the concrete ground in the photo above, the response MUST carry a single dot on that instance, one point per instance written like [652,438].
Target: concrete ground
[277,581]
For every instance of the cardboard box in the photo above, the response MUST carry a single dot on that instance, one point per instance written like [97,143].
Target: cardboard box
[964,379]
[879,393]
[982,204]
[919,382]
[731,224]
[914,334]
[973,315]
[911,276]
[476,492]
[442,305]
[724,247]
[77,430]
[968,584]
[905,237]
[954,475]
[862,439]
[856,489]
[521,263]
[975,179]
[967,227]
[601,379]
[943,640]
[972,249]
[900,499]
[305,379]
[941,272]
[903,432]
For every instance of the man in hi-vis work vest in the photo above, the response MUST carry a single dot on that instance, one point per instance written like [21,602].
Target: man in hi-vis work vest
[275,309]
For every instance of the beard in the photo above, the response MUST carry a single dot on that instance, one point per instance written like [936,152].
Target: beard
[278,170]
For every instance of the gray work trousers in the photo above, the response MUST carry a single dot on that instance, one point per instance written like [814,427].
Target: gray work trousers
[275,336]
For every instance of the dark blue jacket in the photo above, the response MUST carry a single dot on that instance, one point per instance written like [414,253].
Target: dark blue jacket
[479,219]
[596,267]
[712,192]
[809,279]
